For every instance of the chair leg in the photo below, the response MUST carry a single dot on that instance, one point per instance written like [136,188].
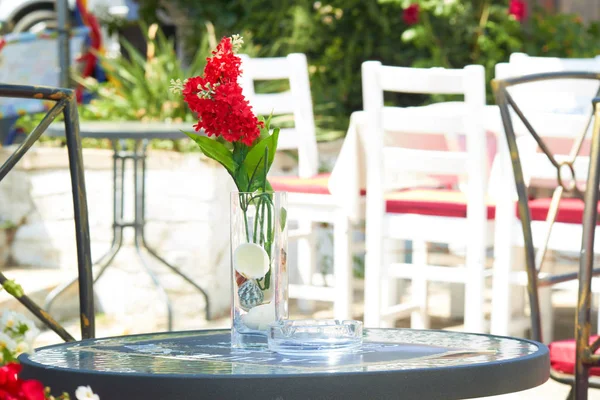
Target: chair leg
[389,286]
[419,318]
[519,303]
[596,302]
[571,395]
[457,300]
[342,268]
[306,262]
[474,286]
[457,290]
[501,283]
[546,312]
[373,271]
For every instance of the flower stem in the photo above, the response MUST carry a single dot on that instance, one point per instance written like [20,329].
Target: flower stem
[244,207]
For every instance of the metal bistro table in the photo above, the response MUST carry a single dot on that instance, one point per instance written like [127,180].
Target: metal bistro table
[392,364]
[140,133]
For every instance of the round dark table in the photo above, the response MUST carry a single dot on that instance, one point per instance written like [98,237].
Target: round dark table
[392,364]
[125,153]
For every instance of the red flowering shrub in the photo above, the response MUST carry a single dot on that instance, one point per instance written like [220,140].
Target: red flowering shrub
[518,9]
[411,14]
[218,101]
[13,388]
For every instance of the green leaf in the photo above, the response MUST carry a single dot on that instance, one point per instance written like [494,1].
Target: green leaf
[240,150]
[241,179]
[264,131]
[254,160]
[257,181]
[215,150]
[282,217]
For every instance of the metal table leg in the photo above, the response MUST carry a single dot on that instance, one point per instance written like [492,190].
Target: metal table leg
[138,156]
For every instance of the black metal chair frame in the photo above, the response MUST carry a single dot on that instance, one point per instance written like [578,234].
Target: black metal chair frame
[585,351]
[66,104]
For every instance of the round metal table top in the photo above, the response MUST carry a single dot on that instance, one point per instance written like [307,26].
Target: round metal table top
[126,130]
[392,363]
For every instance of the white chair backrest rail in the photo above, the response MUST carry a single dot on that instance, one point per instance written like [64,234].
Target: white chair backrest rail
[296,101]
[447,119]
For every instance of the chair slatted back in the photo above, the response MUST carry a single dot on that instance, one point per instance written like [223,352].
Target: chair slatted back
[389,158]
[296,101]
[65,103]
[385,121]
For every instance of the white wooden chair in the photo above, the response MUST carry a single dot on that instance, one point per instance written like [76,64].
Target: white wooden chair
[559,110]
[421,216]
[308,195]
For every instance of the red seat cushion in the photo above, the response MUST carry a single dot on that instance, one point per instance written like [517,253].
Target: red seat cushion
[314,185]
[570,210]
[443,203]
[562,356]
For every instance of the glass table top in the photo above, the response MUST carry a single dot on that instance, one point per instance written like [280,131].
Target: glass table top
[209,353]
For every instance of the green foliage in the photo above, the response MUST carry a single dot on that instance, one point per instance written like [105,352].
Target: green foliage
[454,33]
[338,35]
[138,87]
[561,35]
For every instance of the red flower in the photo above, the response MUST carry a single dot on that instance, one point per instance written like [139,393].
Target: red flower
[13,388]
[224,65]
[517,9]
[32,390]
[217,98]
[411,14]
[9,380]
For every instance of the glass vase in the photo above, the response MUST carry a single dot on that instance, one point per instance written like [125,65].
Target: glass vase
[258,266]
